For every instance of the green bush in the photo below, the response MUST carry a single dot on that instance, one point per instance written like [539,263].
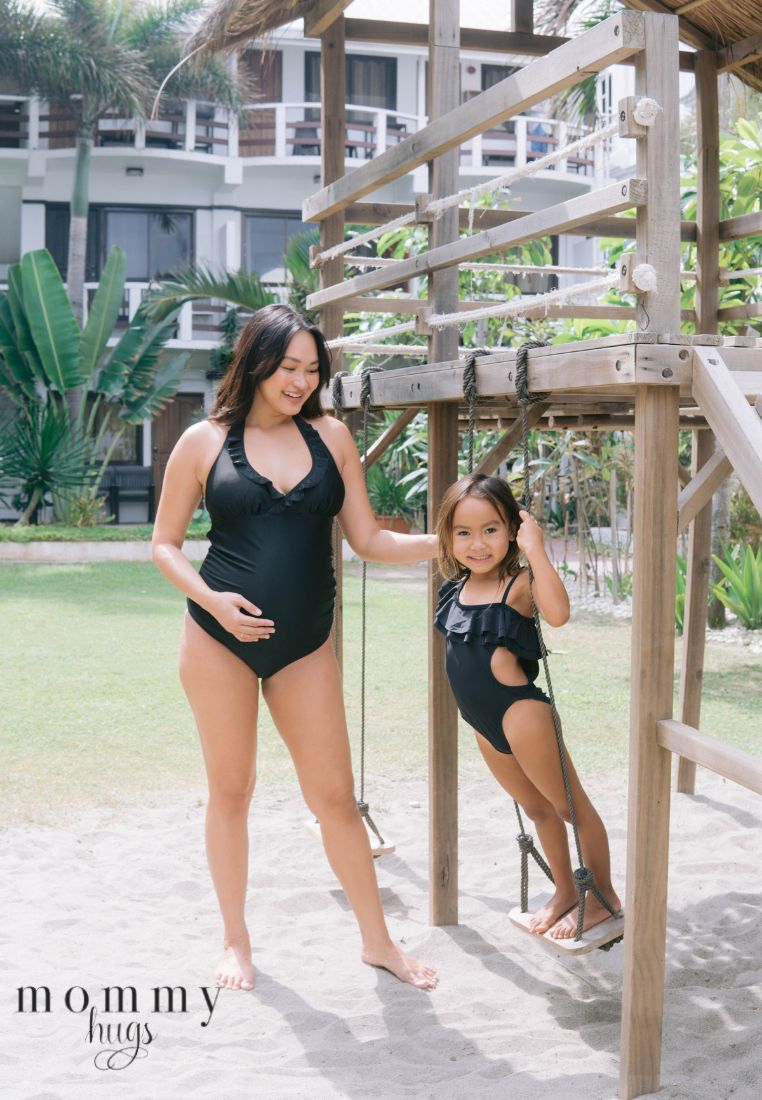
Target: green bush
[682,569]
[741,588]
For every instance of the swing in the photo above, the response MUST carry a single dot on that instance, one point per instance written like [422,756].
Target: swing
[610,931]
[379,845]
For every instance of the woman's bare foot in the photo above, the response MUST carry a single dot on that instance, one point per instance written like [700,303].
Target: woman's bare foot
[595,913]
[235,970]
[402,966]
[553,909]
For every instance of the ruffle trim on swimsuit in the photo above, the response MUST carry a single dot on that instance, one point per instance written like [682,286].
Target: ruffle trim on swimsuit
[320,462]
[491,624]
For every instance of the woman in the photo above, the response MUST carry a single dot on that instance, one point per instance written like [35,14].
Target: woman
[273,471]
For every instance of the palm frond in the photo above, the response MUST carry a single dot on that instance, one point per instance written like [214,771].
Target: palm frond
[237,288]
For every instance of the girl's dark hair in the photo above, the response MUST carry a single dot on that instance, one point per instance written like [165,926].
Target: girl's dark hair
[259,352]
[498,494]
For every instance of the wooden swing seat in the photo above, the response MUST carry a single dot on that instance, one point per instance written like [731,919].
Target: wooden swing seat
[376,848]
[596,937]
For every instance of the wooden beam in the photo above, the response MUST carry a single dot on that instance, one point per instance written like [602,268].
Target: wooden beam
[522,15]
[740,53]
[688,31]
[733,420]
[708,193]
[443,95]
[697,494]
[472,39]
[745,225]
[393,432]
[696,509]
[323,15]
[608,42]
[376,213]
[654,570]
[561,217]
[510,439]
[726,760]
[740,313]
[333,98]
[524,43]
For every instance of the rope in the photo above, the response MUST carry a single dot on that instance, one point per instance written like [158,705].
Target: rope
[518,269]
[583,876]
[361,337]
[437,207]
[388,349]
[363,238]
[525,840]
[337,396]
[525,305]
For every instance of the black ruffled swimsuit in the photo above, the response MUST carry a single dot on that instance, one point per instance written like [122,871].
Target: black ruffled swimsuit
[473,633]
[273,548]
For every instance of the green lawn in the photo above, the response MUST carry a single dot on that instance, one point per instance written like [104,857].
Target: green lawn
[93,712]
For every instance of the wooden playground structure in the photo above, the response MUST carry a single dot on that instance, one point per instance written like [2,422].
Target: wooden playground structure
[652,382]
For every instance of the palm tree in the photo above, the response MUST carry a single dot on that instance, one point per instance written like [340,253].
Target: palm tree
[93,56]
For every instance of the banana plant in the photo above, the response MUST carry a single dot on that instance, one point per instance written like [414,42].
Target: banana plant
[44,356]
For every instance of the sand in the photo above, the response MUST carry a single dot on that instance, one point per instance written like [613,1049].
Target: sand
[123,897]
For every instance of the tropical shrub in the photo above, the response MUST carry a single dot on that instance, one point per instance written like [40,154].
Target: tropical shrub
[682,570]
[741,588]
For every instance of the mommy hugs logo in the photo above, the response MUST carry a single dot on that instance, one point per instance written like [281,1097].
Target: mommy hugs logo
[117,1041]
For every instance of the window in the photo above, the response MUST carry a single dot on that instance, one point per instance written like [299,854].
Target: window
[266,238]
[156,242]
[371,81]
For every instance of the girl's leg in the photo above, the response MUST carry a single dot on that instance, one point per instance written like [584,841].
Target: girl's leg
[528,725]
[306,702]
[551,831]
[223,693]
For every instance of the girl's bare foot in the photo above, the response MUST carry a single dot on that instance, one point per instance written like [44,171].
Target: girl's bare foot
[553,909]
[402,966]
[235,970]
[595,913]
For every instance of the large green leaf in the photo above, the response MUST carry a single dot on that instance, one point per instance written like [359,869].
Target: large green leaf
[104,312]
[16,377]
[163,388]
[238,288]
[51,320]
[24,341]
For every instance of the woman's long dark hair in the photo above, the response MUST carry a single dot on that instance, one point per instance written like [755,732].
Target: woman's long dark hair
[259,352]
[497,492]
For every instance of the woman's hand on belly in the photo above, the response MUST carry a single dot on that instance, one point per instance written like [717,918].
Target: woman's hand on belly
[240,617]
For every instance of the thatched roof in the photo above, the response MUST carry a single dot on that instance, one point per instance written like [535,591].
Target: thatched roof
[722,25]
[734,26]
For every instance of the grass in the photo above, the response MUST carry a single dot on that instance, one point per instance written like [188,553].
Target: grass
[58,532]
[93,712]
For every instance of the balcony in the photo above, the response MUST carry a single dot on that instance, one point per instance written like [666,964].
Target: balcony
[291,132]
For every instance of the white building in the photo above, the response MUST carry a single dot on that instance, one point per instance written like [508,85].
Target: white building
[194,186]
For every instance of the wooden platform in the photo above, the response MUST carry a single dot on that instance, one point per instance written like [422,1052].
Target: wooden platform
[376,849]
[591,940]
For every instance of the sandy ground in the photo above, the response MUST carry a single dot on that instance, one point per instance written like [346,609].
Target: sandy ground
[122,897]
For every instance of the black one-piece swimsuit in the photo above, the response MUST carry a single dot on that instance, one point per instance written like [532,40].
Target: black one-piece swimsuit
[274,549]
[473,633]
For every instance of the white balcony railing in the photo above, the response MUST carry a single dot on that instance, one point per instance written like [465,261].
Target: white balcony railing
[281,131]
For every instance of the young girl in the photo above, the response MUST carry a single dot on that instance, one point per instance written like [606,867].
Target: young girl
[485,612]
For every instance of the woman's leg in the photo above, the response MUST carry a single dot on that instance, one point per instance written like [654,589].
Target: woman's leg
[307,706]
[223,693]
[528,726]
[551,831]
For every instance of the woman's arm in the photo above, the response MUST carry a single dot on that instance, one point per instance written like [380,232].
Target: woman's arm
[364,535]
[181,493]
[550,596]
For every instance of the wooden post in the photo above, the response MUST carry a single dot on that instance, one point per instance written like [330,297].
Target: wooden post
[707,288]
[333,121]
[444,63]
[653,623]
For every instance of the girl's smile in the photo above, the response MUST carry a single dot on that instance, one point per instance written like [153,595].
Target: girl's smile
[480,536]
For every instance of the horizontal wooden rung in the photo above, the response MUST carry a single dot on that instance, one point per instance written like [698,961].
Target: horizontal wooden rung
[726,760]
